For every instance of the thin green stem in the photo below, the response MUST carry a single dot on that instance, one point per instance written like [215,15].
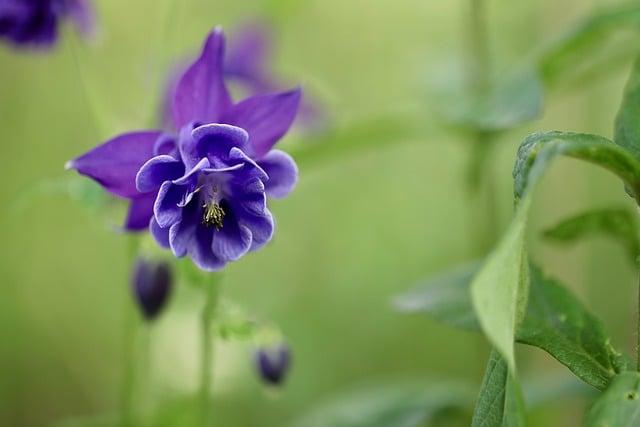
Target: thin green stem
[479,46]
[207,349]
[127,394]
[638,331]
[480,170]
[88,94]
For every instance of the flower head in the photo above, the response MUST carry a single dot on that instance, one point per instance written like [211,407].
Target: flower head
[203,191]
[35,22]
[273,363]
[151,282]
[247,65]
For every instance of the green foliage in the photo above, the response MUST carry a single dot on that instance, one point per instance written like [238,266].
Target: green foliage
[499,289]
[360,136]
[538,150]
[513,99]
[618,223]
[563,54]
[555,321]
[500,402]
[79,189]
[627,125]
[619,405]
[445,298]
[397,405]
[233,323]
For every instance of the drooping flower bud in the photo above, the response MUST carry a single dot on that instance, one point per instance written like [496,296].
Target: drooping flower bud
[273,363]
[152,282]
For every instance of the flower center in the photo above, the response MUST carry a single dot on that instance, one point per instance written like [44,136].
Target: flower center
[213,215]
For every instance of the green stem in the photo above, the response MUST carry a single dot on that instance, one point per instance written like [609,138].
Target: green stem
[479,46]
[88,94]
[129,347]
[206,358]
[480,170]
[638,331]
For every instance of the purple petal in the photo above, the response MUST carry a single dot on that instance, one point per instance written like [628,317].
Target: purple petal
[82,15]
[248,54]
[156,171]
[250,169]
[161,235]
[250,197]
[201,253]
[266,118]
[115,163]
[282,171]
[140,212]
[261,226]
[231,241]
[192,175]
[201,94]
[214,141]
[181,234]
[166,144]
[167,208]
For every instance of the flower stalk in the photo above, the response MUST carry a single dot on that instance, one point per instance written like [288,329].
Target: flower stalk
[638,330]
[207,349]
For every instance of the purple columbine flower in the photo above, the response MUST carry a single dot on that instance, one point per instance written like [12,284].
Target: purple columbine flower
[247,65]
[35,22]
[273,364]
[203,191]
[152,282]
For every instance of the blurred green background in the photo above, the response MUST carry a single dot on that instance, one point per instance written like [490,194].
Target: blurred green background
[359,229]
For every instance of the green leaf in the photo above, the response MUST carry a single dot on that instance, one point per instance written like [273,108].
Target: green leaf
[360,136]
[499,289]
[500,402]
[618,223]
[397,405]
[627,125]
[511,100]
[619,405]
[538,150]
[580,42]
[79,189]
[555,321]
[445,298]
[560,325]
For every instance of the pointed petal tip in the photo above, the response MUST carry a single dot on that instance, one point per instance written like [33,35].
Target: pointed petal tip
[71,164]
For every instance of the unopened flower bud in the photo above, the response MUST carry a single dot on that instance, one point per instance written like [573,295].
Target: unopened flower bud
[273,363]
[152,282]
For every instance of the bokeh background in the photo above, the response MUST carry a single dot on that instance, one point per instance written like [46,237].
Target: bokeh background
[362,226]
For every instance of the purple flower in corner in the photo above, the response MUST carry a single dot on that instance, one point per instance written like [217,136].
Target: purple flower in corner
[35,22]
[203,191]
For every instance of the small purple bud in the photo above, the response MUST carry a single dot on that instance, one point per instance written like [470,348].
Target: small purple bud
[273,364]
[152,281]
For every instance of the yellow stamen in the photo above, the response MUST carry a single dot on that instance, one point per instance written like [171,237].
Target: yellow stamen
[213,215]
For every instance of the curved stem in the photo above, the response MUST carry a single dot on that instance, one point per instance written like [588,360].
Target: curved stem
[206,351]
